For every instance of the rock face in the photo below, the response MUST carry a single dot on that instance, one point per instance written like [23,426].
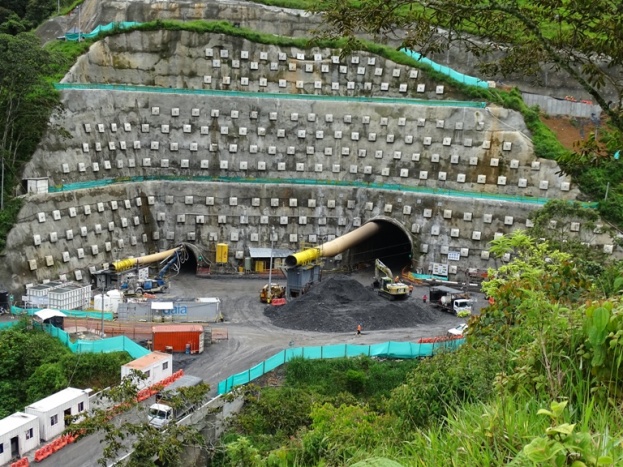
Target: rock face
[205,138]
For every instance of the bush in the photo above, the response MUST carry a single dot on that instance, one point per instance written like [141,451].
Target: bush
[445,380]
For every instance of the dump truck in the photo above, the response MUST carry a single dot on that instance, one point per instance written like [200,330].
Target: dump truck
[387,286]
[276,291]
[451,300]
[170,405]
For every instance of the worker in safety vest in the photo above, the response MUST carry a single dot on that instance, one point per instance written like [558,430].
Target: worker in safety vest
[358,329]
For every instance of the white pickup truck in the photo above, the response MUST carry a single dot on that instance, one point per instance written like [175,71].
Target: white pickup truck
[164,410]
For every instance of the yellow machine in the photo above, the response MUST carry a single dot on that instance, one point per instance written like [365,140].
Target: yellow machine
[276,291]
[388,288]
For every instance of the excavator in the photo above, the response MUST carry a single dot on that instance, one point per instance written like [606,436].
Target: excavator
[387,286]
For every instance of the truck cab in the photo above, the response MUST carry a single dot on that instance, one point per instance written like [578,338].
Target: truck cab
[451,300]
[160,415]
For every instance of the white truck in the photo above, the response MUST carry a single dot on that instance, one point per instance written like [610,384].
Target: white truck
[451,300]
[170,404]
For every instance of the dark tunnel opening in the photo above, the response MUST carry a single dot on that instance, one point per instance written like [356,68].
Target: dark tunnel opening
[391,245]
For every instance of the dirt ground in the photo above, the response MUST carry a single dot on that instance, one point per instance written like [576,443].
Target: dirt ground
[568,130]
[327,314]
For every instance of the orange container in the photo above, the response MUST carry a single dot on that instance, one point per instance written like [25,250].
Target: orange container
[178,338]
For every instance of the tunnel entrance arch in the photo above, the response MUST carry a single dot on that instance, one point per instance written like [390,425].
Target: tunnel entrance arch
[392,244]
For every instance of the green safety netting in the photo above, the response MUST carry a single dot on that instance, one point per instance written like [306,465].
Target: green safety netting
[399,350]
[302,181]
[78,35]
[111,344]
[7,324]
[70,313]
[455,75]
[269,95]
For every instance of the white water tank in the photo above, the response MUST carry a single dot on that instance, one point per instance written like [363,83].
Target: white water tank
[102,302]
[116,297]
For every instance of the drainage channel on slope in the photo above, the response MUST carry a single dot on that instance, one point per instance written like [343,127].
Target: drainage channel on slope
[266,95]
[311,182]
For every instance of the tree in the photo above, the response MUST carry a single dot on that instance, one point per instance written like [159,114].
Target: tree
[27,99]
[583,38]
[147,443]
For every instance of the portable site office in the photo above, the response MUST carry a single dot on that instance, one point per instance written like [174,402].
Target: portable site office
[52,410]
[19,433]
[155,365]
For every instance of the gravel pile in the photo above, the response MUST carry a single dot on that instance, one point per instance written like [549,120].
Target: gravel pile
[339,304]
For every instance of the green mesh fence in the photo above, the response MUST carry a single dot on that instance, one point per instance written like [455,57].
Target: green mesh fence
[7,324]
[76,36]
[268,95]
[446,70]
[111,344]
[71,313]
[400,350]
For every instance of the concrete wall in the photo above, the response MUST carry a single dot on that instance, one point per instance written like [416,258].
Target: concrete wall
[227,161]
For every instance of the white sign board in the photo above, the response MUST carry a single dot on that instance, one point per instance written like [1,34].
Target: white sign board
[143,274]
[454,255]
[440,269]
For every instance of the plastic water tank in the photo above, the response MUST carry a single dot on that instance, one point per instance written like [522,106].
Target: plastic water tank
[102,302]
[116,297]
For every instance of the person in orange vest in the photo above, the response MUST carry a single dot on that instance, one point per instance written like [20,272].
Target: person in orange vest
[358,329]
[410,289]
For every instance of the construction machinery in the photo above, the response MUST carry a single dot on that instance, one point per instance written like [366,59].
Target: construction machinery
[158,284]
[451,300]
[276,291]
[388,287]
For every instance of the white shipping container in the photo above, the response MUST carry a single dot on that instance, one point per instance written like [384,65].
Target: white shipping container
[155,365]
[52,410]
[19,433]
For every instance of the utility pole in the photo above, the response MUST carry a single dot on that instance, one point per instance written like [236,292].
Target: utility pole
[269,295]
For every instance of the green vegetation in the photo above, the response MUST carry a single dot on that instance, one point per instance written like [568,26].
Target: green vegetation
[150,446]
[35,365]
[537,383]
[17,16]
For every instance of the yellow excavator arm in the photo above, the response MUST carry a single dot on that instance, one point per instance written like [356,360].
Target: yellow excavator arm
[379,266]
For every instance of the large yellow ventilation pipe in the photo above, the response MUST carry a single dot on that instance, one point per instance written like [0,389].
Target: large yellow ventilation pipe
[129,263]
[334,247]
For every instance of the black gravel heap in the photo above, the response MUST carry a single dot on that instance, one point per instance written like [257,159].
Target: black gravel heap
[339,304]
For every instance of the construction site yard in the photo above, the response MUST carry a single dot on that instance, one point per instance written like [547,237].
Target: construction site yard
[328,314]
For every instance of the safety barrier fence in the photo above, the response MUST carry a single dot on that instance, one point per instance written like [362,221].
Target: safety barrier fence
[23,462]
[111,344]
[7,324]
[70,313]
[401,350]
[311,182]
[267,95]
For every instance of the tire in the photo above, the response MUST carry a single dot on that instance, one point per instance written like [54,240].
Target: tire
[139,291]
